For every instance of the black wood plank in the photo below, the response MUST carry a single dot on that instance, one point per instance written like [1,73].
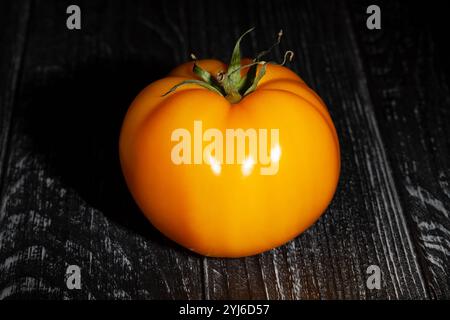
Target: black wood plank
[407,67]
[14,17]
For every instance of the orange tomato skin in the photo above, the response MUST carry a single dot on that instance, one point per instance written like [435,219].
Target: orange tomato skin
[230,214]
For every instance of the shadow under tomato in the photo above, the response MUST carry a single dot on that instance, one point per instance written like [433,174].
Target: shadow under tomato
[74,119]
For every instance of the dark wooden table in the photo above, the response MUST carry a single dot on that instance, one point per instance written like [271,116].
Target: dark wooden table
[63,95]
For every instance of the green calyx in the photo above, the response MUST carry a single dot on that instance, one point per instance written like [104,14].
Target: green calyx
[230,83]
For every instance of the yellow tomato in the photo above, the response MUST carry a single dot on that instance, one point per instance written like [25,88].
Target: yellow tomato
[230,209]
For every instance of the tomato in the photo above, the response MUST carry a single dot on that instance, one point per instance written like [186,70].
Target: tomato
[230,209]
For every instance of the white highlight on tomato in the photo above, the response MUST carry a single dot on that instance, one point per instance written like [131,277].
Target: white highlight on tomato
[215,165]
[275,153]
[247,166]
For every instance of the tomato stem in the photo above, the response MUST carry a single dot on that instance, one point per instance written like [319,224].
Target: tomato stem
[230,83]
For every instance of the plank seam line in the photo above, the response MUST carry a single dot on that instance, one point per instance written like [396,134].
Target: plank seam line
[205,280]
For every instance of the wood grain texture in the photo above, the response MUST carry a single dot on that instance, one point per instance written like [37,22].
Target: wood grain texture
[405,66]
[64,201]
